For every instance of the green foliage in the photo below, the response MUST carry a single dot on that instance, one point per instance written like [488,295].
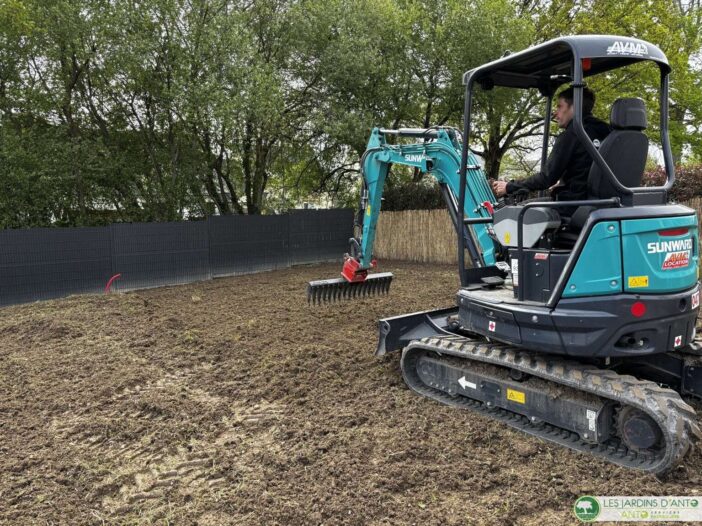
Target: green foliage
[688,181]
[167,109]
[413,195]
[673,26]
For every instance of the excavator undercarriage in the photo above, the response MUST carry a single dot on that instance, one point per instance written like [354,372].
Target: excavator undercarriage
[628,421]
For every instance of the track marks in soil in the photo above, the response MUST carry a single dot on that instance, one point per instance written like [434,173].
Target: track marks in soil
[135,408]
[191,471]
[146,481]
[179,381]
[263,412]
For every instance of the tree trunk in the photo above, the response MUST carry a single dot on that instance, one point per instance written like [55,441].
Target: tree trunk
[677,120]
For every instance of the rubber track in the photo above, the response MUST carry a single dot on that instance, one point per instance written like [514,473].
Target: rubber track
[677,420]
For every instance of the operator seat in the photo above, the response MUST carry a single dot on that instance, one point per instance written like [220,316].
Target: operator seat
[625,150]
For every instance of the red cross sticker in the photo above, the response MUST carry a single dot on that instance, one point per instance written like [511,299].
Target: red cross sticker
[491,326]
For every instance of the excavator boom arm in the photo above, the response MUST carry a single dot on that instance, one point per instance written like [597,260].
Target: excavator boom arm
[439,155]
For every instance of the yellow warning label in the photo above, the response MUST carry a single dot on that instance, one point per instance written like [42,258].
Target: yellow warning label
[368,210]
[508,237]
[638,282]
[516,396]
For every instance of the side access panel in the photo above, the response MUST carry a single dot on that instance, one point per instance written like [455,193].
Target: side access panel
[660,255]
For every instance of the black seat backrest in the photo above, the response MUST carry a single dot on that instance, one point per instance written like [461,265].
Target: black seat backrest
[625,150]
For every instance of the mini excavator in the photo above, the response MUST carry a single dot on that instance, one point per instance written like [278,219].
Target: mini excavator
[577,328]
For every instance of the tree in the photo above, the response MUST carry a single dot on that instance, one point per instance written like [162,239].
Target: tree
[167,109]
[672,25]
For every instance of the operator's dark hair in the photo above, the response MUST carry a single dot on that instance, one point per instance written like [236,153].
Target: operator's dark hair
[588,98]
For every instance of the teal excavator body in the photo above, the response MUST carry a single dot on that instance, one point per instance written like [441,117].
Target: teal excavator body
[595,300]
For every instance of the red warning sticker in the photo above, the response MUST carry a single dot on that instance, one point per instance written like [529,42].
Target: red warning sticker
[491,326]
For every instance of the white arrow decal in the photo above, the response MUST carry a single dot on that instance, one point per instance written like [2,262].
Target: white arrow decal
[465,383]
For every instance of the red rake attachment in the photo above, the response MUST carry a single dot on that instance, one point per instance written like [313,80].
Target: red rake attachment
[355,282]
[330,290]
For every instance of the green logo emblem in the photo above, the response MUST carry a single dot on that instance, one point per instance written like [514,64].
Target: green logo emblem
[694,503]
[586,508]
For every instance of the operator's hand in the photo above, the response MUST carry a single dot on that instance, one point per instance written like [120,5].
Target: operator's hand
[500,188]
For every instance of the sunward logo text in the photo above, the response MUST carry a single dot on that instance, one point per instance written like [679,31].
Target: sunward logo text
[670,246]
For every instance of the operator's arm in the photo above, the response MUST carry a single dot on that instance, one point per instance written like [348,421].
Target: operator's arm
[555,165]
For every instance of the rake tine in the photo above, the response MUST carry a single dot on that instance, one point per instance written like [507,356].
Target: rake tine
[332,290]
[318,295]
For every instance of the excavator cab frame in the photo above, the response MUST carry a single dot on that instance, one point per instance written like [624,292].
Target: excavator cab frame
[572,59]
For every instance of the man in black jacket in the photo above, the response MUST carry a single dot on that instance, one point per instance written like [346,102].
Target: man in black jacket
[569,163]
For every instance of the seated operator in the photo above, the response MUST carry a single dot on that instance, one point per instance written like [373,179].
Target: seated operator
[568,163]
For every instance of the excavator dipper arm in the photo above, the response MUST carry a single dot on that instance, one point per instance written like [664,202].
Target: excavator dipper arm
[438,154]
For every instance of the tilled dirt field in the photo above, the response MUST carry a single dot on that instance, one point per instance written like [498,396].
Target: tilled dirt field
[233,402]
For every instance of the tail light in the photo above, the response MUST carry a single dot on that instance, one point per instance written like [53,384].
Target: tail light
[674,232]
[638,309]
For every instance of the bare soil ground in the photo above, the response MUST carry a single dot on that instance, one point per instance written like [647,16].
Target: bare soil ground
[233,402]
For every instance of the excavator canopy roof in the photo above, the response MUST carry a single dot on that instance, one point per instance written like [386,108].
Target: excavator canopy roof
[550,64]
